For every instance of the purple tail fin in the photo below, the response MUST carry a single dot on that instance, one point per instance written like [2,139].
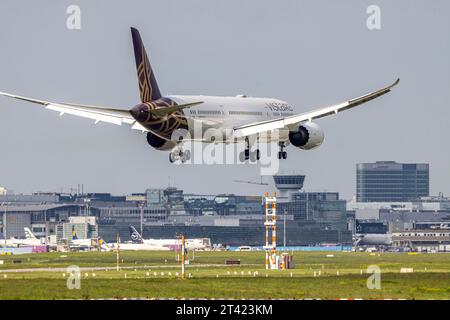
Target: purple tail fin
[147,82]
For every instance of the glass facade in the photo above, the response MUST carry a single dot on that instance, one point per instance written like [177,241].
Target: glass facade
[389,181]
[289,182]
[371,226]
[82,230]
[223,205]
[154,196]
[311,218]
[324,208]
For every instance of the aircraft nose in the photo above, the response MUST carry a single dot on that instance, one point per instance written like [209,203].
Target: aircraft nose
[139,112]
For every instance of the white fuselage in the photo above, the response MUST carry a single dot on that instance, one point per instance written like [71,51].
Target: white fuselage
[139,247]
[374,239]
[22,242]
[81,242]
[225,113]
[175,244]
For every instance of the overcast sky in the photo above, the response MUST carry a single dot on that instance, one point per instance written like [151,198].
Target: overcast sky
[309,53]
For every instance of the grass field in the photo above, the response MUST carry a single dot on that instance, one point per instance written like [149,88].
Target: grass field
[154,275]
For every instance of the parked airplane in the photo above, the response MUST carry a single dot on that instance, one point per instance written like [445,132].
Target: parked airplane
[131,246]
[441,226]
[169,121]
[373,239]
[30,240]
[127,246]
[173,244]
[29,234]
[86,243]
[14,242]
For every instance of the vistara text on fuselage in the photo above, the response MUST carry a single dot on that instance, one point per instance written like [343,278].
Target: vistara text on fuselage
[171,121]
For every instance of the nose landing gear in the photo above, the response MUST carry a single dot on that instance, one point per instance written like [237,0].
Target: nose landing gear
[282,154]
[179,154]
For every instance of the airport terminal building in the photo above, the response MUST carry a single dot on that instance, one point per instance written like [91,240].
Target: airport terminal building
[228,219]
[305,218]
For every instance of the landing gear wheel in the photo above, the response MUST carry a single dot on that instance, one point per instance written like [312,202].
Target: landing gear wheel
[187,154]
[244,155]
[179,154]
[282,154]
[247,155]
[255,155]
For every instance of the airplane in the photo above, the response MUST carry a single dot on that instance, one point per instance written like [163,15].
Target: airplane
[86,243]
[30,240]
[131,246]
[171,121]
[127,246]
[379,239]
[29,234]
[172,244]
[442,226]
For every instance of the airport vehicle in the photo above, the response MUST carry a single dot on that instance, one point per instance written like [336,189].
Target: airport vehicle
[171,121]
[244,248]
[172,244]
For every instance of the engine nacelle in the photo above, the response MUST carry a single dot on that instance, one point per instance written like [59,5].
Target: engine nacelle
[159,143]
[308,136]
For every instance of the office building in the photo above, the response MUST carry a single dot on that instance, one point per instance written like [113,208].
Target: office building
[388,181]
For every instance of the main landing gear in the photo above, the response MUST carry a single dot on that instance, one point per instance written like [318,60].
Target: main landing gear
[249,155]
[179,154]
[255,155]
[282,154]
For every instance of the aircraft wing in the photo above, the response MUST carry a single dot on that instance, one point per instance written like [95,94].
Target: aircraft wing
[110,115]
[292,121]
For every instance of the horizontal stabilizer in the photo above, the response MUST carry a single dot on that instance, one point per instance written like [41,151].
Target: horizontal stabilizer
[164,111]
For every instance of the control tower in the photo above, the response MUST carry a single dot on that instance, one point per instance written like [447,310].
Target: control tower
[287,184]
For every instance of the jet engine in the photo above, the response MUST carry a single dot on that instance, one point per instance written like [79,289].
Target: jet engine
[159,143]
[308,136]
